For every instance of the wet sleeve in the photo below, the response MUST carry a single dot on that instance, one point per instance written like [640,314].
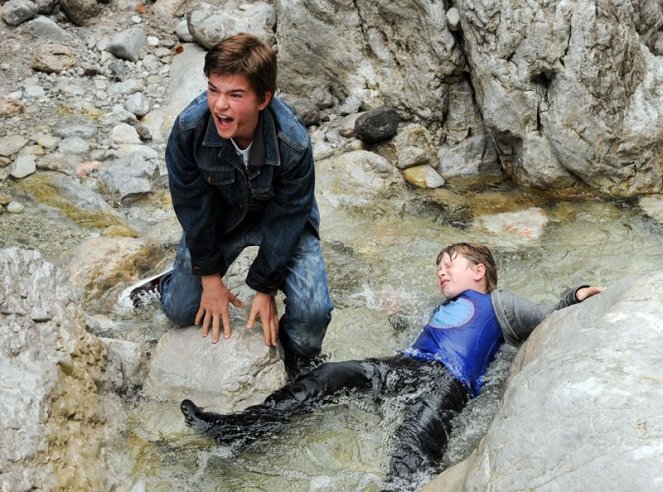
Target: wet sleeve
[518,317]
[193,202]
[283,223]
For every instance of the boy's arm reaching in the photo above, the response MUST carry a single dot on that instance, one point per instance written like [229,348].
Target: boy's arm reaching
[584,292]
[518,317]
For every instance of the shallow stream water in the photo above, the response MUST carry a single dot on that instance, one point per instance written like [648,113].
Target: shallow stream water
[382,280]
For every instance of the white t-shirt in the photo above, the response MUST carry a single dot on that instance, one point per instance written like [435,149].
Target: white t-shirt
[243,152]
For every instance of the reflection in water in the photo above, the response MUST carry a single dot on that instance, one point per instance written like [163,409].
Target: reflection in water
[382,280]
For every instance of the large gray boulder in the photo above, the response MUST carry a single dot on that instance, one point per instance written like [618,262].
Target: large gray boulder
[54,422]
[187,81]
[209,24]
[356,179]
[396,53]
[225,377]
[582,407]
[570,92]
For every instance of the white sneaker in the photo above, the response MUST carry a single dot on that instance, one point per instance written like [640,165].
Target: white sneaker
[143,292]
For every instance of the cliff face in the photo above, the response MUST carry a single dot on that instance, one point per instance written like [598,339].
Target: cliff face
[580,411]
[569,92]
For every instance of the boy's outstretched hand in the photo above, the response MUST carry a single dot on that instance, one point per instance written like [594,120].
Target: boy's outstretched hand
[586,292]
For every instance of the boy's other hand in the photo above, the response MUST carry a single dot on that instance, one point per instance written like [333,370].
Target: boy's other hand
[586,292]
[264,307]
[213,310]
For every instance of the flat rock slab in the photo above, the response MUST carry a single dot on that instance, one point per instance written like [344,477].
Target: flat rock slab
[223,377]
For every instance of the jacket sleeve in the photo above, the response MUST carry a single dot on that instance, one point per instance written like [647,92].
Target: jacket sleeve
[518,317]
[284,221]
[194,204]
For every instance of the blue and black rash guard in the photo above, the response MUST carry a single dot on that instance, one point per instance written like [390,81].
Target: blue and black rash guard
[464,335]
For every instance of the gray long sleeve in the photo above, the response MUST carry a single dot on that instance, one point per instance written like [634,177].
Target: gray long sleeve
[518,317]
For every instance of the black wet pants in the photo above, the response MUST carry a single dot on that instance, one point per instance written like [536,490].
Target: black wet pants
[420,440]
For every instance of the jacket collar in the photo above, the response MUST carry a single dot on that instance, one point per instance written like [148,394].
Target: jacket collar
[264,149]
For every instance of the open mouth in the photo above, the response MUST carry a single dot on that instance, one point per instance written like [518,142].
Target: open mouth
[224,120]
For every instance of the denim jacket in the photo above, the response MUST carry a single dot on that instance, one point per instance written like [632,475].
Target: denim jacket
[214,193]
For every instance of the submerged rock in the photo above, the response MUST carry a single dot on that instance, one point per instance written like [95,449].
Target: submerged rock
[357,178]
[519,226]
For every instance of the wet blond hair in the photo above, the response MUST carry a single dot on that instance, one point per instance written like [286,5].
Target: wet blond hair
[475,254]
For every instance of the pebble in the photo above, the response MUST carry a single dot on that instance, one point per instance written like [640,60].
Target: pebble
[423,176]
[33,91]
[23,166]
[46,140]
[73,145]
[137,104]
[53,58]
[11,144]
[82,130]
[15,208]
[10,106]
[16,12]
[129,44]
[47,29]
[125,133]
[411,156]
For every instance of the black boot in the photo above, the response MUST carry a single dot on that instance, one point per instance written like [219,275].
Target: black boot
[296,364]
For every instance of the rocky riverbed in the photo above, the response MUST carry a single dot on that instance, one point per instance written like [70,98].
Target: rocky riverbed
[88,91]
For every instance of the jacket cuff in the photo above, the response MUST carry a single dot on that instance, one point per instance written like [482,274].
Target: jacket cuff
[260,284]
[209,266]
[573,293]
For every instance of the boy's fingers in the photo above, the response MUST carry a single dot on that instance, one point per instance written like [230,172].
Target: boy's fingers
[251,322]
[227,328]
[215,329]
[275,332]
[266,334]
[235,301]
[205,324]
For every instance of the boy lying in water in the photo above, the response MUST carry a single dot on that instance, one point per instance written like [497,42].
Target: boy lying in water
[441,370]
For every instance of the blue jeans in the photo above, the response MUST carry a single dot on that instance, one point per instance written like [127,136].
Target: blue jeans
[307,304]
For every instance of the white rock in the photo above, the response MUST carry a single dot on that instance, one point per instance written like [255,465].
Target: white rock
[73,145]
[125,133]
[11,144]
[15,207]
[24,165]
[653,206]
[46,140]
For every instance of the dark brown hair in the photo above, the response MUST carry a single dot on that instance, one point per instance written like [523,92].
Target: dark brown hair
[475,254]
[244,54]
